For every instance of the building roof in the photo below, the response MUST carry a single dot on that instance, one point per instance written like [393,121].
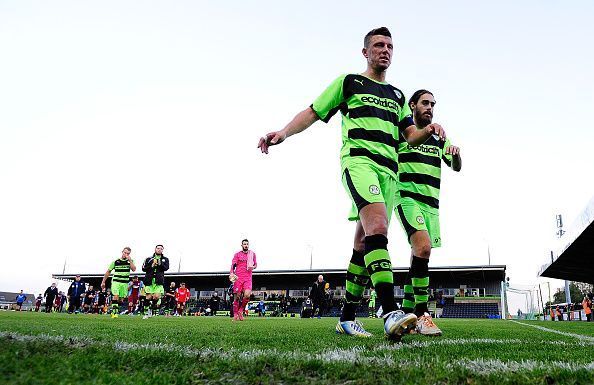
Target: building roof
[575,261]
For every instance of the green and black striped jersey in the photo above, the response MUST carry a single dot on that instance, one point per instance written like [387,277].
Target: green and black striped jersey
[121,270]
[420,171]
[373,114]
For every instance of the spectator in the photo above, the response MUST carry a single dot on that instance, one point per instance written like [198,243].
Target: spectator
[20,299]
[62,302]
[50,296]
[38,301]
[75,292]
[214,303]
[89,299]
[587,305]
[318,295]
[559,314]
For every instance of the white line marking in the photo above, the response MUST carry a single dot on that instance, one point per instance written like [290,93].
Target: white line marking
[567,334]
[350,356]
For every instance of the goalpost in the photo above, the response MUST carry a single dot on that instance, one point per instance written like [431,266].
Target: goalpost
[523,298]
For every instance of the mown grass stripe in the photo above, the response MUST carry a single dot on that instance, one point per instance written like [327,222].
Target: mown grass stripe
[355,355]
[567,334]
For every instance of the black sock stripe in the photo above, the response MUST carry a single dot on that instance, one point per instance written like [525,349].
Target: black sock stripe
[421,290]
[358,258]
[361,280]
[409,296]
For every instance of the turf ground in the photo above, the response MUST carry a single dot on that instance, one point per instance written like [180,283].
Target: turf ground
[83,349]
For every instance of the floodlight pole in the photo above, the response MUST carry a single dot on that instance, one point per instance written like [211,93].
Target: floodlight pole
[560,233]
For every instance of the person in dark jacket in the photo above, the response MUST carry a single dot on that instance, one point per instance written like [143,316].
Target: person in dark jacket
[154,268]
[214,303]
[50,295]
[318,295]
[75,292]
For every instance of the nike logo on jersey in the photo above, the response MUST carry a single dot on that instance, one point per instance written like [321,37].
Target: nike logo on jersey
[359,81]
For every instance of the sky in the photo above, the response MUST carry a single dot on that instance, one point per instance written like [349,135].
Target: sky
[136,123]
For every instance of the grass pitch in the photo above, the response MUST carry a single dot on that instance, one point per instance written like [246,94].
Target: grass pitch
[83,349]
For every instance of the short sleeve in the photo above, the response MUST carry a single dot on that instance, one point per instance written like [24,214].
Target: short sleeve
[329,102]
[111,266]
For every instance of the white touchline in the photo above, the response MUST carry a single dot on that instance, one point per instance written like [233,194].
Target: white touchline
[350,356]
[574,335]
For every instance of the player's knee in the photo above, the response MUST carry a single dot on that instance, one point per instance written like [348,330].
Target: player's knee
[423,251]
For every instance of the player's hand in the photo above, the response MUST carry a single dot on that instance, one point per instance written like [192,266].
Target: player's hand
[436,129]
[103,285]
[271,139]
[452,150]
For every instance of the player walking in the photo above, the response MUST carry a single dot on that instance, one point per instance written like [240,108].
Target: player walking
[181,297]
[169,300]
[155,268]
[242,265]
[22,297]
[119,282]
[374,113]
[134,288]
[417,206]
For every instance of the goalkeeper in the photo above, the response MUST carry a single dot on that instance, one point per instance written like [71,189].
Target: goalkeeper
[244,261]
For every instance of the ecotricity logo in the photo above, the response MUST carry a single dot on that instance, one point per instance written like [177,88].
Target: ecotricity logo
[426,149]
[374,189]
[389,103]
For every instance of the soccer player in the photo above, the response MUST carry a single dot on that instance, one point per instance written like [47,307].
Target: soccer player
[20,299]
[417,206]
[38,301]
[134,288]
[155,268]
[371,305]
[169,304]
[119,283]
[242,265]
[374,114]
[181,297]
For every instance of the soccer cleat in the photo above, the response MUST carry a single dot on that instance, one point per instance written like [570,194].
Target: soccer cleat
[426,326]
[352,328]
[396,322]
[240,317]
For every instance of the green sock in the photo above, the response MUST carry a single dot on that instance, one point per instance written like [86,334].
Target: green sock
[408,303]
[377,261]
[356,280]
[420,283]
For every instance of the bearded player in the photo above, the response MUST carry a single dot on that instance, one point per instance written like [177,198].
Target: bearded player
[154,268]
[119,282]
[244,261]
[417,206]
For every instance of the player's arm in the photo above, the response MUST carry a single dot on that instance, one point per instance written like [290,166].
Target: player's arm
[454,152]
[165,263]
[132,264]
[323,108]
[105,276]
[255,262]
[300,122]
[147,264]
[416,136]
